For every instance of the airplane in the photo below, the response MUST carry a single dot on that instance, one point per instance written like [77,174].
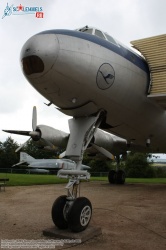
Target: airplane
[105,87]
[47,164]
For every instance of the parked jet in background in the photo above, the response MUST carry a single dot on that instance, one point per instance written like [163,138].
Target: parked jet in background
[48,164]
[103,85]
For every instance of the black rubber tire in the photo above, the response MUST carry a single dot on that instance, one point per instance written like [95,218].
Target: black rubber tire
[80,214]
[57,212]
[112,176]
[120,177]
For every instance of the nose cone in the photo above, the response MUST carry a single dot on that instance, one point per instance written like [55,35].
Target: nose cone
[39,54]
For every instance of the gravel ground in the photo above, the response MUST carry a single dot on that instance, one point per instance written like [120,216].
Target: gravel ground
[131,216]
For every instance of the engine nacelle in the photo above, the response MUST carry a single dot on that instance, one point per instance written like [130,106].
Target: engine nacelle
[110,142]
[52,139]
[49,135]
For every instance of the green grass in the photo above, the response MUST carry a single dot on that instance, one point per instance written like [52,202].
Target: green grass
[146,180]
[33,179]
[135,180]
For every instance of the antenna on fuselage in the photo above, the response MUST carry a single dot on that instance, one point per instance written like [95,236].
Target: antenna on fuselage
[84,28]
[48,103]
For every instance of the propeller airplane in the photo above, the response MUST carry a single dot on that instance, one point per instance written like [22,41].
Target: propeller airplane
[108,90]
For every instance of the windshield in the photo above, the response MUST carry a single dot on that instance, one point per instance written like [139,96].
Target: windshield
[89,31]
[98,33]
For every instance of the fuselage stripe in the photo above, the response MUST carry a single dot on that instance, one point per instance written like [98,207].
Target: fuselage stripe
[118,49]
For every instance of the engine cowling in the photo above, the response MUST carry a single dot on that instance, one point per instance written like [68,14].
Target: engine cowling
[49,135]
[110,142]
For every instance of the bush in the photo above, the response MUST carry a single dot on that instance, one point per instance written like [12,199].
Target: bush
[98,166]
[137,166]
[160,172]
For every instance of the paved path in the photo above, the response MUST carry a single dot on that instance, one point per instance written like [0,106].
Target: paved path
[132,216]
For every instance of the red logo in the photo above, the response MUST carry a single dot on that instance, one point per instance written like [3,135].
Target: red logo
[39,14]
[20,7]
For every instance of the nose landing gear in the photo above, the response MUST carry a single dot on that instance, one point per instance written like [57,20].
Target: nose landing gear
[72,211]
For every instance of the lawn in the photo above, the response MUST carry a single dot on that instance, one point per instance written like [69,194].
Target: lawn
[33,179]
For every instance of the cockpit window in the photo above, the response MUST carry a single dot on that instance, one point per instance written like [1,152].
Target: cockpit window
[99,34]
[109,38]
[96,32]
[89,31]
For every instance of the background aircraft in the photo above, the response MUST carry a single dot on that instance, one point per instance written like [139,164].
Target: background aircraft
[104,86]
[47,164]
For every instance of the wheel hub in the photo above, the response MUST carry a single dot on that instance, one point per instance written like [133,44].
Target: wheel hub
[85,215]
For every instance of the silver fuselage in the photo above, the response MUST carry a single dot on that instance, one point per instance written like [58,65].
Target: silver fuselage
[72,73]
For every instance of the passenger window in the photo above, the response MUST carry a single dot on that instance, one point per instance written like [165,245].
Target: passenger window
[110,39]
[99,34]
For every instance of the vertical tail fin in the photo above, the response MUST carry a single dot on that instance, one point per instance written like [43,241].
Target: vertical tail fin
[24,157]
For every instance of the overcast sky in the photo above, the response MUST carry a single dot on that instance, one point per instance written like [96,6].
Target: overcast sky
[126,20]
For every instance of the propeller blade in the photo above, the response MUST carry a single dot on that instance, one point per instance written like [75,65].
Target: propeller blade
[34,118]
[104,152]
[35,135]
[62,155]
[21,146]
[17,132]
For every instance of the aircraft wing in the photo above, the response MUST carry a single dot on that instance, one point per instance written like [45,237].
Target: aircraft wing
[19,163]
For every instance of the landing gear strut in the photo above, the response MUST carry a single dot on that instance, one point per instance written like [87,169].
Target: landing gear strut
[71,210]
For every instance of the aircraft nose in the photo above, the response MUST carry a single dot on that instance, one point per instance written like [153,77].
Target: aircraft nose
[39,54]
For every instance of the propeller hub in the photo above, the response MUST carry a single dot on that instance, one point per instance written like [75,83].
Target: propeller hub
[35,135]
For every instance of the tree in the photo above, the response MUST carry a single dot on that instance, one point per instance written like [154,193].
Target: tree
[96,164]
[137,166]
[8,157]
[32,149]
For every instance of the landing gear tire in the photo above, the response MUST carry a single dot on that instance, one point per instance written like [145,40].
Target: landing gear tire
[120,177]
[58,212]
[116,177]
[80,214]
[112,176]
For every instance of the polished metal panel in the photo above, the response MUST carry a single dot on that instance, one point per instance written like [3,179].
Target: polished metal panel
[84,69]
